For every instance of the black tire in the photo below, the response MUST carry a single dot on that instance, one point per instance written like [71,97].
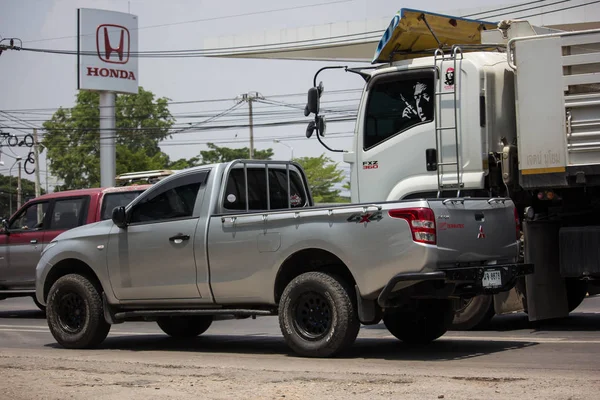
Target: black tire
[38,304]
[317,315]
[74,313]
[185,326]
[422,324]
[576,292]
[473,313]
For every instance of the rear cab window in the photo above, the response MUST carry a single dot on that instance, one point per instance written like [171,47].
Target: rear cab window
[235,191]
[68,213]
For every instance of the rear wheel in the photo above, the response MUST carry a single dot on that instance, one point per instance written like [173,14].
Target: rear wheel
[472,313]
[426,321]
[74,313]
[186,326]
[317,315]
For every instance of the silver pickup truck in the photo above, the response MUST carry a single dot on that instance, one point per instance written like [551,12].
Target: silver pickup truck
[244,239]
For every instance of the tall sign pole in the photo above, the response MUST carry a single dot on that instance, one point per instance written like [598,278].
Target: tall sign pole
[107,63]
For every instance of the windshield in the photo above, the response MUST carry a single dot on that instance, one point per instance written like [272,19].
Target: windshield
[112,200]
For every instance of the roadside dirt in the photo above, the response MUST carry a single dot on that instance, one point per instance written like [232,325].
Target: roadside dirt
[52,376]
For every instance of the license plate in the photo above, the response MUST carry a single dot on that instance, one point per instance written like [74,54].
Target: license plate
[492,279]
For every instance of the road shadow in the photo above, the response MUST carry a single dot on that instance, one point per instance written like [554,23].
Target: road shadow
[22,314]
[444,349]
[583,322]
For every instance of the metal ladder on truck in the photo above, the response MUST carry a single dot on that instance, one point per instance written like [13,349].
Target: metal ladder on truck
[440,129]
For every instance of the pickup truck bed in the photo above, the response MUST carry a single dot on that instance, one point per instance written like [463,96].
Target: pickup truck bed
[244,239]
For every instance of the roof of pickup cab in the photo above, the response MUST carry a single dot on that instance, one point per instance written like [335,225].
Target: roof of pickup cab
[91,191]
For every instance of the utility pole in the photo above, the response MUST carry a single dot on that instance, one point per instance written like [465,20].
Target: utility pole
[249,98]
[36,157]
[19,189]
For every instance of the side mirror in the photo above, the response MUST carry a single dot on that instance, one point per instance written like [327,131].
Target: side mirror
[119,216]
[313,104]
[431,159]
[4,227]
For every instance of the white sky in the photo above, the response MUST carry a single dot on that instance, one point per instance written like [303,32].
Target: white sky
[35,80]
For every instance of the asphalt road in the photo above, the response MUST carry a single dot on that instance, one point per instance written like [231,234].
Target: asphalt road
[557,359]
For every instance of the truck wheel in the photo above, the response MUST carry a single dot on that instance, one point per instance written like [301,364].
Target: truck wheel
[424,323]
[472,313]
[75,314]
[185,327]
[576,292]
[38,304]
[317,315]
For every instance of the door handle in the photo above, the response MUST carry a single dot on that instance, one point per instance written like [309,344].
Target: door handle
[179,238]
[33,241]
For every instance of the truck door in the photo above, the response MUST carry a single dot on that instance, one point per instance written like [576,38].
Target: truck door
[153,258]
[24,245]
[396,129]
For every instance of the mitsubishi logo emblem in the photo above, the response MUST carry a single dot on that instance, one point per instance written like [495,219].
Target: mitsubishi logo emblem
[116,52]
[481,235]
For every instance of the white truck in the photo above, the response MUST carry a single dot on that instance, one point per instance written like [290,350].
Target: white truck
[466,108]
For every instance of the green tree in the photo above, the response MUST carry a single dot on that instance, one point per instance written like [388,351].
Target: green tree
[8,191]
[72,140]
[322,175]
[218,154]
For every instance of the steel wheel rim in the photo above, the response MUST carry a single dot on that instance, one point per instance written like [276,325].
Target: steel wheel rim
[312,316]
[71,312]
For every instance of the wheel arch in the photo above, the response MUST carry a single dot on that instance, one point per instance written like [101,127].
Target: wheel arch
[309,260]
[70,266]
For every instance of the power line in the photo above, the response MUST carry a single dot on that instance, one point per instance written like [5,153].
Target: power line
[214,18]
[340,91]
[529,9]
[557,10]
[501,9]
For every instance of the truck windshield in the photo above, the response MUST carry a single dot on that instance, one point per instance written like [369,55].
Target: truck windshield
[112,200]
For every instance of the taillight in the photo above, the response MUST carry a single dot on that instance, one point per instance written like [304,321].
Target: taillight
[517,223]
[421,222]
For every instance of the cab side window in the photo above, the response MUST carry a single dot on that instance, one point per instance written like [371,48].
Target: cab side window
[31,218]
[397,103]
[174,200]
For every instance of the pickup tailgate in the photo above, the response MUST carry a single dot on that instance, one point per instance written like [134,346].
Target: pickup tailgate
[475,230]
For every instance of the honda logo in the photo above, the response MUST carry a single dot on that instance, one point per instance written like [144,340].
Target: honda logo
[117,50]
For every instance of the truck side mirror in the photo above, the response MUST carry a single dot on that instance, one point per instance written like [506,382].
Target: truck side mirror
[312,106]
[119,217]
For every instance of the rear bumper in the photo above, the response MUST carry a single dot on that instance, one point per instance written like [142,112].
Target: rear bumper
[469,279]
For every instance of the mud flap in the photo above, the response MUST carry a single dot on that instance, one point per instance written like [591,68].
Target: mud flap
[546,291]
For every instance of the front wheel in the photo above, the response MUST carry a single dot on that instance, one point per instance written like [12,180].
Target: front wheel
[317,315]
[426,321]
[74,313]
[186,326]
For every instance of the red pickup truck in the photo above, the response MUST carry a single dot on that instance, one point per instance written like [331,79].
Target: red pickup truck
[40,220]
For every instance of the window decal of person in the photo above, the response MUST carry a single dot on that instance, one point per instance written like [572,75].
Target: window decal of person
[423,108]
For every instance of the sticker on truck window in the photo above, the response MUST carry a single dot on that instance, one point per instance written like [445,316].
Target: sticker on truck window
[365,217]
[295,200]
[449,78]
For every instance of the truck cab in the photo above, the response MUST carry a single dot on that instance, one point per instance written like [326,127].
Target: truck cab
[469,108]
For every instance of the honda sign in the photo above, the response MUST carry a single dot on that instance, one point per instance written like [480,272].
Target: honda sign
[107,49]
